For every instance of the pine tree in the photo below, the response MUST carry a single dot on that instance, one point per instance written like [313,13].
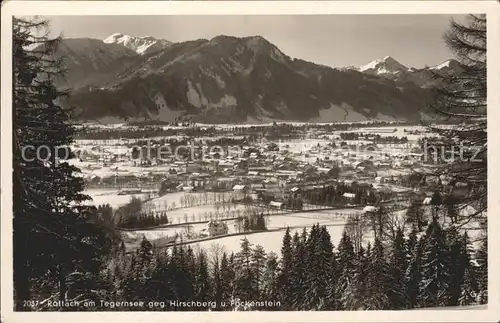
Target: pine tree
[411,243]
[298,271]
[161,277]
[358,289]
[55,235]
[139,272]
[326,261]
[456,266]
[319,254]
[333,299]
[311,293]
[346,267]
[413,274]
[217,283]
[258,267]
[399,264]
[227,278]
[203,286]
[435,271]
[244,284]
[285,284]
[189,271]
[270,278]
[378,280]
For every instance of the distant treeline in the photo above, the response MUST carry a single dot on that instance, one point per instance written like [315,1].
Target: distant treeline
[274,131]
[376,138]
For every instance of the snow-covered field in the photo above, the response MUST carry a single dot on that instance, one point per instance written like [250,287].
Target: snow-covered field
[174,200]
[123,168]
[110,196]
[202,213]
[272,240]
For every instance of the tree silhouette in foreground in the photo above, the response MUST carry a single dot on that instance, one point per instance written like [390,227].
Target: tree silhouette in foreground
[58,241]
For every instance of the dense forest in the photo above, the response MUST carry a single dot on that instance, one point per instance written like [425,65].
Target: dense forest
[435,268]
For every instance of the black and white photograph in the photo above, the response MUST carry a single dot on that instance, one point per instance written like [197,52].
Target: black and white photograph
[247,162]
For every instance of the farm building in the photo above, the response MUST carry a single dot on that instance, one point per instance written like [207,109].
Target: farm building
[276,205]
[215,228]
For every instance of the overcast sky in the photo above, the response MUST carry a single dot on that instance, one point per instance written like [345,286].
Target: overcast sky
[334,40]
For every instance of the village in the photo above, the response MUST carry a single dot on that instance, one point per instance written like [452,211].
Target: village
[319,175]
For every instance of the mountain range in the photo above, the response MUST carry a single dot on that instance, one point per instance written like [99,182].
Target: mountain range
[233,80]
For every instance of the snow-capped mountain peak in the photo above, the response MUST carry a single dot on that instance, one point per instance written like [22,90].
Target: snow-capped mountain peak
[386,65]
[141,45]
[448,64]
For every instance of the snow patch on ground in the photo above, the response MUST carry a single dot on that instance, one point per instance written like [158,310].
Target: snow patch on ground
[194,97]
[111,197]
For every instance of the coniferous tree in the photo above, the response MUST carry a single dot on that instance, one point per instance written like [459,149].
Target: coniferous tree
[258,267]
[203,286]
[139,271]
[55,235]
[358,289]
[435,271]
[319,254]
[298,271]
[398,262]
[227,277]
[411,243]
[413,274]
[270,279]
[456,265]
[217,284]
[244,284]
[189,271]
[378,280]
[347,266]
[161,277]
[285,283]
[311,269]
[333,299]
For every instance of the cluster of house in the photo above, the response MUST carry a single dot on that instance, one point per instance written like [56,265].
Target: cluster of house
[268,169]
